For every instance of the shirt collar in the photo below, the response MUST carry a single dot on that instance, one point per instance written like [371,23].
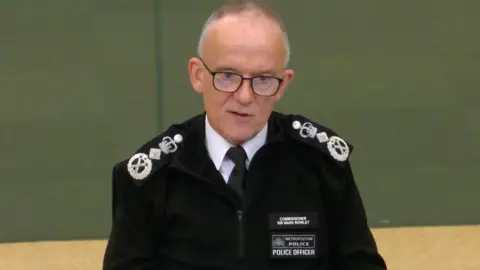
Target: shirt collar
[217,146]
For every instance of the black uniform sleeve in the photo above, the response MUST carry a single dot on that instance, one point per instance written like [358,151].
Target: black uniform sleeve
[353,244]
[131,242]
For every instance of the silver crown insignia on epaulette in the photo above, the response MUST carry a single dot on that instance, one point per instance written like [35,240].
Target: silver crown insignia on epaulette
[337,147]
[140,165]
[308,130]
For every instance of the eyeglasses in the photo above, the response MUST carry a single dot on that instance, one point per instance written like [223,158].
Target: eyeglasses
[263,85]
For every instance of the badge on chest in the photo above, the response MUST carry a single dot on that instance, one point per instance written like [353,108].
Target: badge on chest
[293,235]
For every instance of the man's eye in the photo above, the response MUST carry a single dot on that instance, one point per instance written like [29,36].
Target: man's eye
[227,75]
[264,79]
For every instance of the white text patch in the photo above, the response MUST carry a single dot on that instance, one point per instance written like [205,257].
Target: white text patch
[293,246]
[303,220]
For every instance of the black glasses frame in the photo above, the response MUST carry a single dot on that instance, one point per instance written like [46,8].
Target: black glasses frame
[213,73]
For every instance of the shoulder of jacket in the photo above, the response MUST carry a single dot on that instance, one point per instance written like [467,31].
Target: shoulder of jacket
[318,137]
[154,154]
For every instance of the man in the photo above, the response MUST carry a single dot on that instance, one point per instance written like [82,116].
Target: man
[240,186]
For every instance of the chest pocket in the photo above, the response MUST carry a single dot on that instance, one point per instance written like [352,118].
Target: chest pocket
[294,235]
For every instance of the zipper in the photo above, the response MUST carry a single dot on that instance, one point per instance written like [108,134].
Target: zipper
[241,244]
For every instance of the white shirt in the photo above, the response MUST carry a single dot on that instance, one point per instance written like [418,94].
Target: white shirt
[217,148]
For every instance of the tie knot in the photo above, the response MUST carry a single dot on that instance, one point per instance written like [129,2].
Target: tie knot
[238,155]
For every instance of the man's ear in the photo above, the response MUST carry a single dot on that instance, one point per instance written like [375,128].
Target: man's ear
[196,74]
[288,75]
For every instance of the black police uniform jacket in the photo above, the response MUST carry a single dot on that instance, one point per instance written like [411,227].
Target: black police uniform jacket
[301,209]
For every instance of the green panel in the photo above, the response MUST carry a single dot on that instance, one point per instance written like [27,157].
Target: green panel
[78,93]
[397,79]
[77,82]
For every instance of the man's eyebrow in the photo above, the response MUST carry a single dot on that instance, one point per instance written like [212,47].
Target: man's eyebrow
[227,68]
[268,72]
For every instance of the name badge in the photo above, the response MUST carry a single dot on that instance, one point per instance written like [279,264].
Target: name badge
[293,246]
[295,221]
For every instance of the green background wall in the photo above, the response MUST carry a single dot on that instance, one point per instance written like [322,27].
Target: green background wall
[79,92]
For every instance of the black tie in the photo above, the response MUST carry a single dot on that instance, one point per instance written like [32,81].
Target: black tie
[237,177]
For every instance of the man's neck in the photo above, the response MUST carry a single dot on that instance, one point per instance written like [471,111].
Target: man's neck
[217,145]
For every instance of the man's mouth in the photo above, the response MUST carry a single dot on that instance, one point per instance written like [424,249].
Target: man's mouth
[240,114]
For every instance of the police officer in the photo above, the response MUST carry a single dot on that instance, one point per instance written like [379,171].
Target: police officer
[240,186]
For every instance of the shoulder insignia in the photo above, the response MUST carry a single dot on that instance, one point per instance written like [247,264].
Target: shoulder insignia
[154,154]
[320,137]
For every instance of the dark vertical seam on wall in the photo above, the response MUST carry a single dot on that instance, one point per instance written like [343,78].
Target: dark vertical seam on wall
[157,27]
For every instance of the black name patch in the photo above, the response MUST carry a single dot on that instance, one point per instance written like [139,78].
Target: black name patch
[293,246]
[293,220]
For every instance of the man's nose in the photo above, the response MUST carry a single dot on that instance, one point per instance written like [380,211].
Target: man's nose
[245,93]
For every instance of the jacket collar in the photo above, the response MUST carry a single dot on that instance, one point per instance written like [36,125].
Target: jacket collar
[217,146]
[192,157]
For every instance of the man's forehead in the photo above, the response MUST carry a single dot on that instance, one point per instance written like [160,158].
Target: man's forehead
[246,60]
[256,10]
[249,35]
[236,30]
[241,46]
[248,19]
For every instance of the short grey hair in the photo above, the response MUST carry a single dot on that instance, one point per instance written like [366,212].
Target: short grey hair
[238,8]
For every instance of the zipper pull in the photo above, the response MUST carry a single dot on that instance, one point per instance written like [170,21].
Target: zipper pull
[240,214]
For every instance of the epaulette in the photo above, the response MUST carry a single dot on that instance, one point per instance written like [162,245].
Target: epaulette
[155,154]
[319,137]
